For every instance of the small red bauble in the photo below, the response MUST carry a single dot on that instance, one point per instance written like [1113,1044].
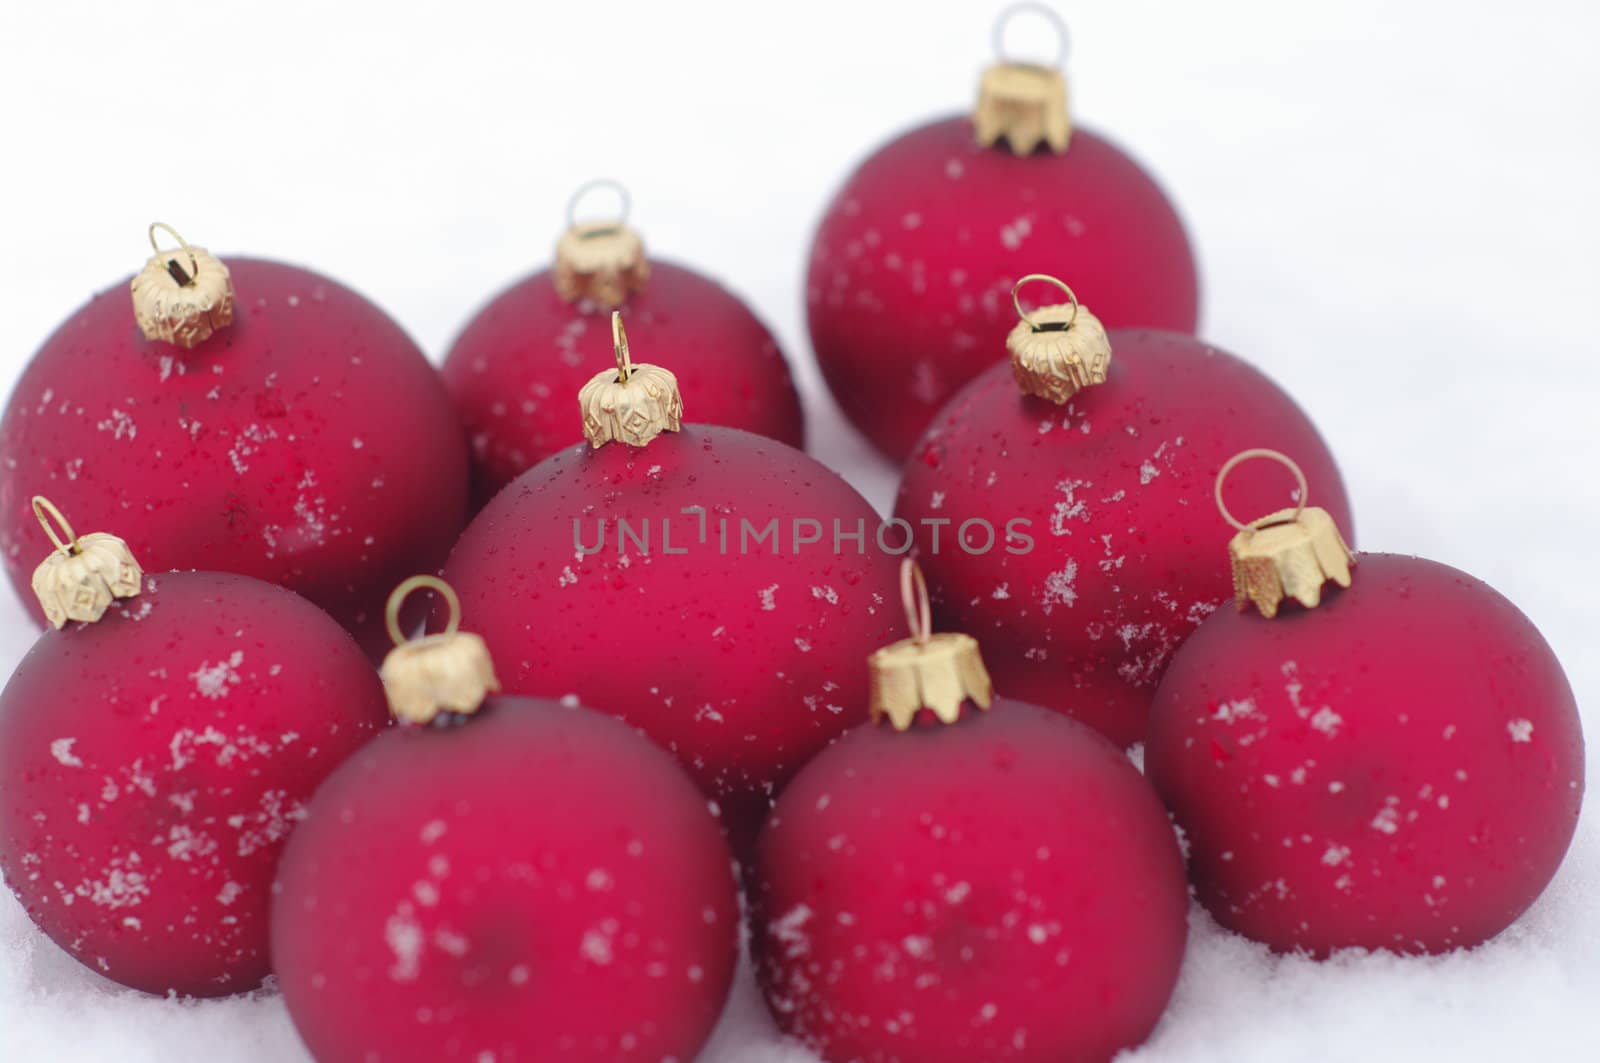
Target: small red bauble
[1003,887]
[515,367]
[692,586]
[1400,767]
[534,883]
[1082,607]
[910,267]
[307,442]
[153,762]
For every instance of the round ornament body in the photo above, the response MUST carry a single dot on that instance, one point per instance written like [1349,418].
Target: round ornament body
[1082,607]
[308,443]
[536,882]
[153,762]
[1007,887]
[912,267]
[1400,767]
[738,649]
[514,369]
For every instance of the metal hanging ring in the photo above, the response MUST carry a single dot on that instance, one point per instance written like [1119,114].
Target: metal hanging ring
[914,596]
[1016,298]
[46,512]
[619,345]
[625,202]
[1044,11]
[183,245]
[1246,455]
[398,596]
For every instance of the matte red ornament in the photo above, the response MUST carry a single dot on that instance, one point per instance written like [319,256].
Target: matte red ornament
[1003,887]
[515,367]
[306,442]
[911,264]
[1081,607]
[1400,767]
[536,882]
[713,587]
[744,663]
[153,762]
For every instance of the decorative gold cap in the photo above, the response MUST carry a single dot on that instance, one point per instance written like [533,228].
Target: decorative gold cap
[633,403]
[448,672]
[926,671]
[1057,350]
[1287,554]
[79,580]
[182,297]
[601,261]
[1024,104]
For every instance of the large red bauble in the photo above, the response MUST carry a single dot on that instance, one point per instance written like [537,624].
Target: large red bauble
[1117,488]
[152,763]
[514,370]
[535,883]
[1004,888]
[309,444]
[1399,768]
[745,661]
[912,266]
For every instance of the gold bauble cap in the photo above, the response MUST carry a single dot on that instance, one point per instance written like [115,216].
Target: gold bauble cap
[84,574]
[182,297]
[448,672]
[600,261]
[1057,350]
[1287,554]
[632,403]
[1024,104]
[926,671]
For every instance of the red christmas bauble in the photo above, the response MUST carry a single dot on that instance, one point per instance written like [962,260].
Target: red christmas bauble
[309,443]
[153,762]
[1081,608]
[533,883]
[738,650]
[515,368]
[1007,887]
[1400,767]
[912,266]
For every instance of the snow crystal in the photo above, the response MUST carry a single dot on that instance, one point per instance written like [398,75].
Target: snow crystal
[61,749]
[213,680]
[596,947]
[1058,587]
[404,936]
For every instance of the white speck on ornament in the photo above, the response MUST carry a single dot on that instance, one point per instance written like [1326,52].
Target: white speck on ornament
[213,680]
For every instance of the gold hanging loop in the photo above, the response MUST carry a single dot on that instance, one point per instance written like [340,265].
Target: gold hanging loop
[619,345]
[49,518]
[1272,455]
[398,596]
[1016,301]
[183,245]
[914,596]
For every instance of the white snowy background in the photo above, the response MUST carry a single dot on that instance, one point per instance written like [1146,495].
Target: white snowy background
[1394,204]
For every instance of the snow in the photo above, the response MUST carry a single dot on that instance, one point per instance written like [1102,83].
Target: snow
[1416,267]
